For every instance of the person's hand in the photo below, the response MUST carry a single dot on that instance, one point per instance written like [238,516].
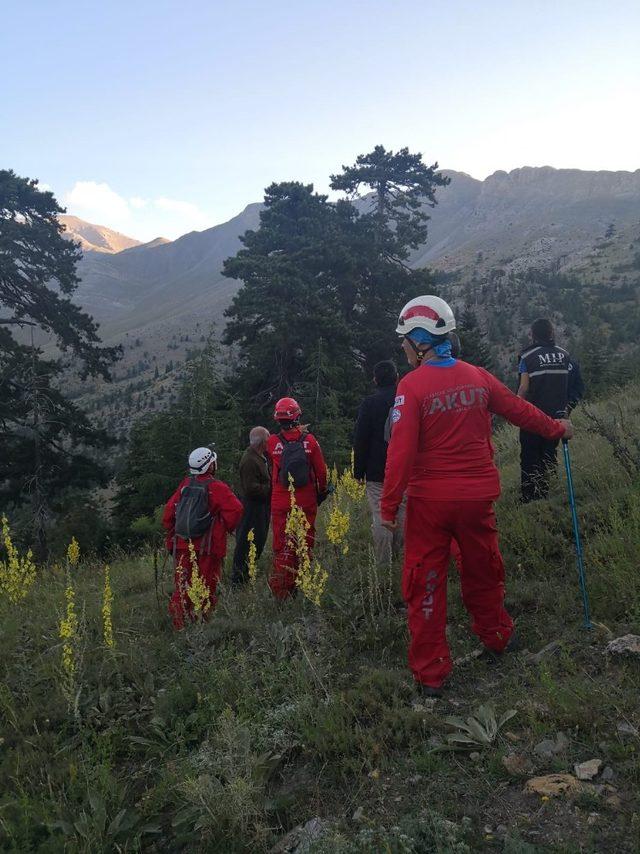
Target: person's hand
[389,524]
[568,428]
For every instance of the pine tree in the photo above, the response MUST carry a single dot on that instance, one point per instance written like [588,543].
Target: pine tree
[45,440]
[475,347]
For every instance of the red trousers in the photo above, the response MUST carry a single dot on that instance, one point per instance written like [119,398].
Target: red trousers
[180,606]
[430,528]
[285,562]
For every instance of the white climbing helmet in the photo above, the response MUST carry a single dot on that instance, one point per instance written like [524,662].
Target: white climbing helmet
[201,459]
[426,312]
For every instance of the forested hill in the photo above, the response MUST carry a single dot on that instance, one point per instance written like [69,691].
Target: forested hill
[536,215]
[531,241]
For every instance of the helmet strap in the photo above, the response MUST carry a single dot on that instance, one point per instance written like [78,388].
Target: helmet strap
[420,354]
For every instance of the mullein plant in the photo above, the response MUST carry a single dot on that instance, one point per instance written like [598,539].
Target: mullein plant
[197,591]
[311,578]
[107,606]
[252,562]
[17,572]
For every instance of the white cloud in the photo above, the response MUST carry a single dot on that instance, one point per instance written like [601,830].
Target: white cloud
[190,213]
[135,216]
[99,204]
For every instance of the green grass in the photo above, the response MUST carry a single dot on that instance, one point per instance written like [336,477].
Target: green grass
[228,735]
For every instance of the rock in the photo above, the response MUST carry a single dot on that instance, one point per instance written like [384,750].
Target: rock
[415,779]
[626,730]
[301,839]
[549,649]
[626,645]
[588,770]
[554,785]
[474,757]
[516,764]
[613,801]
[593,818]
[545,749]
[608,774]
[502,829]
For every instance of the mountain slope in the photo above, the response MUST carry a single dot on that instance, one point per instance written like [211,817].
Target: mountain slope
[96,238]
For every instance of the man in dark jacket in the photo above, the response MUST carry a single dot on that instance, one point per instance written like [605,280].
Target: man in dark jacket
[544,377]
[370,442]
[255,487]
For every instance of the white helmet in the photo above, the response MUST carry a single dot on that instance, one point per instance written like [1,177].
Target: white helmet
[426,312]
[201,459]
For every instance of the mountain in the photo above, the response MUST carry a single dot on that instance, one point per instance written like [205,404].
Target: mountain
[526,217]
[98,238]
[159,300]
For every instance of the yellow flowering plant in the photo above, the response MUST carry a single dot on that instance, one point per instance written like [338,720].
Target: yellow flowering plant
[311,578]
[107,604]
[252,556]
[73,552]
[197,591]
[17,572]
[68,631]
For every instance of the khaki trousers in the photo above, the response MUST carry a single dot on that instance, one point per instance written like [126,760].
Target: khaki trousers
[386,544]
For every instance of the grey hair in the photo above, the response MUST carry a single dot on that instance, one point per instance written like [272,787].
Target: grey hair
[257,436]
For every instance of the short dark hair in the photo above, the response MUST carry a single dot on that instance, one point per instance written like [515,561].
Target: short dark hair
[542,330]
[385,373]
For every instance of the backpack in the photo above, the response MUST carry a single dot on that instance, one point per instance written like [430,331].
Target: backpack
[294,462]
[193,517]
[388,425]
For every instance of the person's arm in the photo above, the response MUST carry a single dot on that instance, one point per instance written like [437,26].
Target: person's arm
[224,503]
[523,387]
[361,441]
[169,513]
[318,465]
[575,385]
[524,414]
[254,484]
[406,419]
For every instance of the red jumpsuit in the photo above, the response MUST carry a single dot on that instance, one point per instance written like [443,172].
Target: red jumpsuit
[210,549]
[282,581]
[441,454]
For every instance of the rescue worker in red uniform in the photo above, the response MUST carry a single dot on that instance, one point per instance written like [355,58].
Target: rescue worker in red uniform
[210,548]
[287,413]
[442,456]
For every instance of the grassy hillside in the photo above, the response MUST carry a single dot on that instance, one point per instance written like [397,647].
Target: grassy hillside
[226,737]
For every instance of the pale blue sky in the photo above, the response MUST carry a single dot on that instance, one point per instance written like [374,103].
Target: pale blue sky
[159,117]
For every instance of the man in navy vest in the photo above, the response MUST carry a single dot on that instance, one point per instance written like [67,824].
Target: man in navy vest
[544,376]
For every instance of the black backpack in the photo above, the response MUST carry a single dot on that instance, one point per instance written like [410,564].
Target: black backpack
[193,517]
[294,462]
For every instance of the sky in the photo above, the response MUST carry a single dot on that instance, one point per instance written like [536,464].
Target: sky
[158,118]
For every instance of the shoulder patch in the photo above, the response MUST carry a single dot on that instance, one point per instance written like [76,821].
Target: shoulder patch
[396,415]
[399,400]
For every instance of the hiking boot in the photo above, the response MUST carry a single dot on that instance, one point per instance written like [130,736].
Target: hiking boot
[429,692]
[493,657]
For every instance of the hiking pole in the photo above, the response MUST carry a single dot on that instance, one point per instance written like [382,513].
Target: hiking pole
[576,534]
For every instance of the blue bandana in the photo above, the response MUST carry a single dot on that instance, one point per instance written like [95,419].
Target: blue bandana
[440,348]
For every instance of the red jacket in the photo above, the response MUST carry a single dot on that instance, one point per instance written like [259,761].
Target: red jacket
[224,506]
[306,496]
[440,444]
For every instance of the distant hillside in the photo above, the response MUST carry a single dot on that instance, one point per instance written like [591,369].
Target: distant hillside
[96,238]
[530,216]
[159,300]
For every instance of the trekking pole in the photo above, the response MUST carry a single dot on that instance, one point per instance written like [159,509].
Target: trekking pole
[576,534]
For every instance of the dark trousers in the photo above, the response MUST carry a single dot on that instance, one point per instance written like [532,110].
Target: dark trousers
[537,462]
[256,517]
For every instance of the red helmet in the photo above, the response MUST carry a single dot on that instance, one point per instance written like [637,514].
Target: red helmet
[287,409]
